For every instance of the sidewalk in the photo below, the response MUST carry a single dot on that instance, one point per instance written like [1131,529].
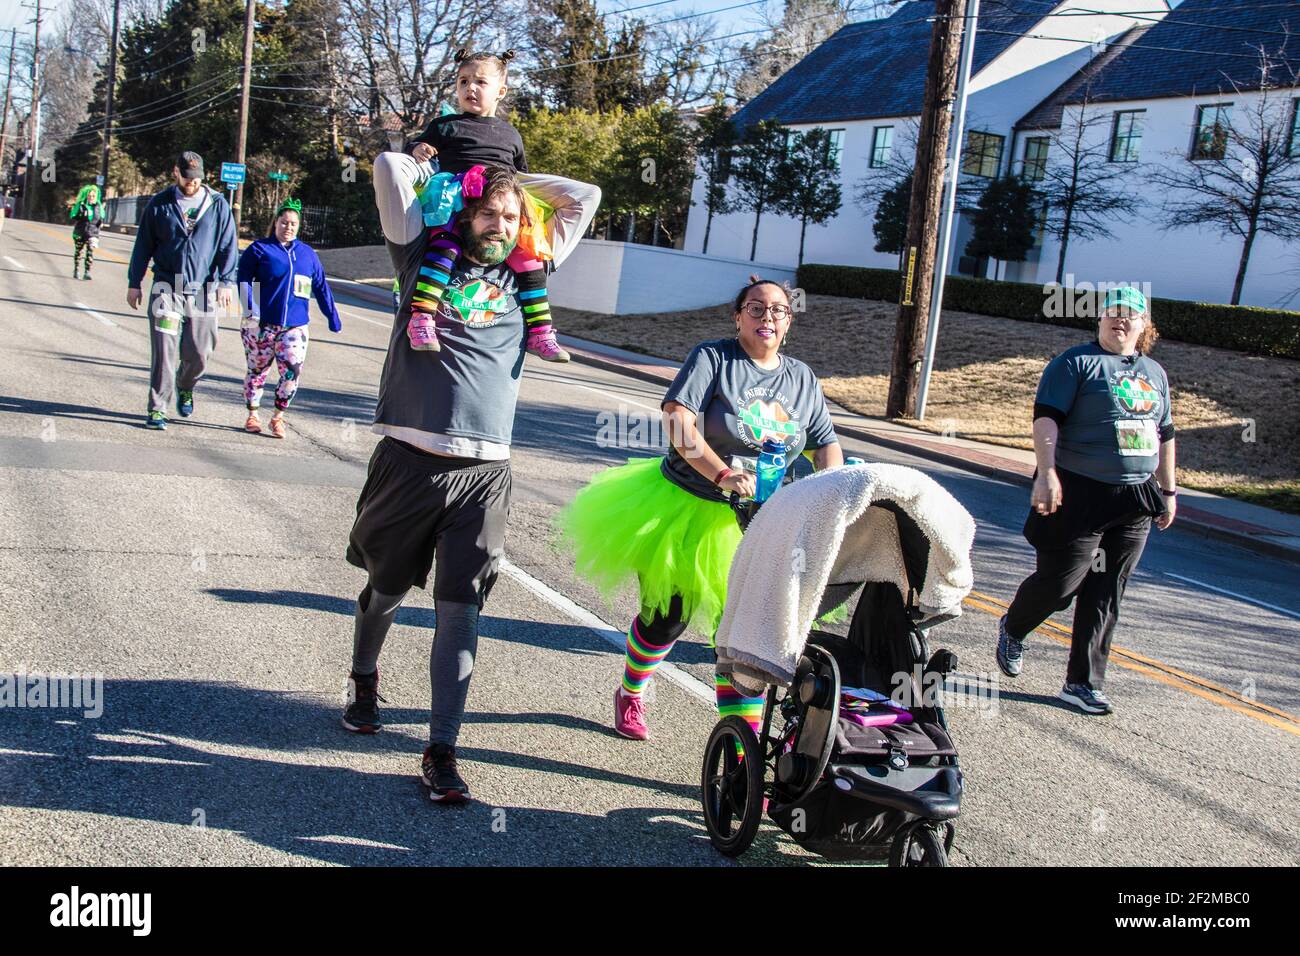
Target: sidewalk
[1262,530]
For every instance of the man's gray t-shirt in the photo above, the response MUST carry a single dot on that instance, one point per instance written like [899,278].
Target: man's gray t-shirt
[189,206]
[739,405]
[1115,412]
[461,399]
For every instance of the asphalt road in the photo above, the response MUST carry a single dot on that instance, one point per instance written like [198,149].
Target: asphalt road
[201,572]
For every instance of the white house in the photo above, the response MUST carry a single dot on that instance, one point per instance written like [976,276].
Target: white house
[1157,74]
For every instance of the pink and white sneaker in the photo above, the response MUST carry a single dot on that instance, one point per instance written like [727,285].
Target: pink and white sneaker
[629,715]
[423,333]
[541,342]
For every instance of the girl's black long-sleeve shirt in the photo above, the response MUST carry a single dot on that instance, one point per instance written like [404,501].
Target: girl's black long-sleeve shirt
[464,140]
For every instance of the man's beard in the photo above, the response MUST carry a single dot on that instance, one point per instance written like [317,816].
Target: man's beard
[489,249]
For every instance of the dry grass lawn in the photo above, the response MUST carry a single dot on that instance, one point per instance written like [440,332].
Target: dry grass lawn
[986,374]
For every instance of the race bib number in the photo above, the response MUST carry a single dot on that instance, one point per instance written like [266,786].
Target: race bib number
[1137,436]
[169,323]
[302,286]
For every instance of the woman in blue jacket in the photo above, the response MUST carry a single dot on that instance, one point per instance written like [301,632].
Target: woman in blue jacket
[277,275]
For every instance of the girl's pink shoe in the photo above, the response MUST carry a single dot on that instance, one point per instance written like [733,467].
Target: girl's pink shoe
[629,715]
[541,342]
[423,333]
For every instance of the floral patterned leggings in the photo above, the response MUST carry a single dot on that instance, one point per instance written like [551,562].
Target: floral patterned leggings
[287,348]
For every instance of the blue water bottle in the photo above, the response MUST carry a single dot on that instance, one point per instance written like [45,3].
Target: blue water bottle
[771,469]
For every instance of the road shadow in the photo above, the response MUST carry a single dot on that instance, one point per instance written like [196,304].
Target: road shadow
[573,638]
[181,752]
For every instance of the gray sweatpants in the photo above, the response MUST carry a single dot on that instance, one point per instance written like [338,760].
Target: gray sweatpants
[182,335]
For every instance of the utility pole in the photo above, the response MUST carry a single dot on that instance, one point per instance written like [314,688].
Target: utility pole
[29,188]
[249,10]
[4,116]
[919,251]
[949,204]
[108,106]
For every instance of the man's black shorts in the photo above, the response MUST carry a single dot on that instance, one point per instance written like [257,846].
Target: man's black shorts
[415,507]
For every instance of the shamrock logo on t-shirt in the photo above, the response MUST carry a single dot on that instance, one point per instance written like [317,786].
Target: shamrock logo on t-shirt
[1135,394]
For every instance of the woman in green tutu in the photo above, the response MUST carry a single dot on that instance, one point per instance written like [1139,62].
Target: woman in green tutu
[666,522]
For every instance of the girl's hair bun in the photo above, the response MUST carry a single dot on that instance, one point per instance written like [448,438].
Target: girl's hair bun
[508,55]
[754,277]
[461,54]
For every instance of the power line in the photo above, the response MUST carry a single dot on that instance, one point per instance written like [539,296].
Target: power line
[1127,46]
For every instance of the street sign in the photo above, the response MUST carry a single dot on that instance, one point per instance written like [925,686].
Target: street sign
[232,173]
[278,177]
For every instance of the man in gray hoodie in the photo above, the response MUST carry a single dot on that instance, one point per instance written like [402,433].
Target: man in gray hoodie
[188,232]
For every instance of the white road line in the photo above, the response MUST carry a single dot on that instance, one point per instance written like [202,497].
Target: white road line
[14,262]
[1239,597]
[605,632]
[600,391]
[87,309]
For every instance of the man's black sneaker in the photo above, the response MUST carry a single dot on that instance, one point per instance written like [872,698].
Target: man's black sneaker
[438,773]
[1086,699]
[362,713]
[1011,652]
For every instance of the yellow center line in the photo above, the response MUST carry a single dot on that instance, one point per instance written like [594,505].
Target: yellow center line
[1157,670]
[59,235]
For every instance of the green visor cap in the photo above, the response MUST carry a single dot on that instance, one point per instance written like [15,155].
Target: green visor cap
[1125,295]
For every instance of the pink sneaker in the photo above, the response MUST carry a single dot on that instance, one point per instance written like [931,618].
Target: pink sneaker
[629,715]
[541,342]
[423,333]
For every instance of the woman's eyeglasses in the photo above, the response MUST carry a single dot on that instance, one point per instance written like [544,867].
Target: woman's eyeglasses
[756,310]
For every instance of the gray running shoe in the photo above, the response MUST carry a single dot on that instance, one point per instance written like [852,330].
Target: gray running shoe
[1011,652]
[1086,699]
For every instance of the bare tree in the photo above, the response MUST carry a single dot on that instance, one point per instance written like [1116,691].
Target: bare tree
[687,54]
[404,52]
[1086,194]
[1244,174]
[792,31]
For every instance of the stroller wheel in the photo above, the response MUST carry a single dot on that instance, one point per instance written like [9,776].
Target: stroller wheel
[918,845]
[731,786]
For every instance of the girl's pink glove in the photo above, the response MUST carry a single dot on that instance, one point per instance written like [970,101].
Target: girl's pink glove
[471,185]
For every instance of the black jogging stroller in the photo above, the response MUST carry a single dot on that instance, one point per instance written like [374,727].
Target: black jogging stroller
[841,788]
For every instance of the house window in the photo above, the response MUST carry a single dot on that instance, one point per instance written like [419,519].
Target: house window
[1293,147]
[983,154]
[1211,131]
[835,146]
[1035,165]
[882,144]
[1126,136]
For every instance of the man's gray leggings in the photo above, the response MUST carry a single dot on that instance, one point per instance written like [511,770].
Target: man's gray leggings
[451,659]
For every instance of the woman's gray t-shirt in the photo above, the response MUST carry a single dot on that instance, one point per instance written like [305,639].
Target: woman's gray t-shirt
[739,405]
[1115,413]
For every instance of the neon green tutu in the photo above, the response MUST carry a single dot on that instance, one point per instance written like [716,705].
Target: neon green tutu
[630,524]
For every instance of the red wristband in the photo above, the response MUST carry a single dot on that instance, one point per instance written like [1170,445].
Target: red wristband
[725,473]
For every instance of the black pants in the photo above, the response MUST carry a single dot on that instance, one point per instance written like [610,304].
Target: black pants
[1090,564]
[414,507]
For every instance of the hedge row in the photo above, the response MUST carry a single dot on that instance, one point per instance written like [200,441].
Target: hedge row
[1237,327]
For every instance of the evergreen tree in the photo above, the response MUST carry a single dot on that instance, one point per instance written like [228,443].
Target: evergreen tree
[890,223]
[757,172]
[715,144]
[811,175]
[1004,220]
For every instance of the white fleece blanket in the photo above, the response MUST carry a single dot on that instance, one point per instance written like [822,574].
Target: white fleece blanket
[820,531]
